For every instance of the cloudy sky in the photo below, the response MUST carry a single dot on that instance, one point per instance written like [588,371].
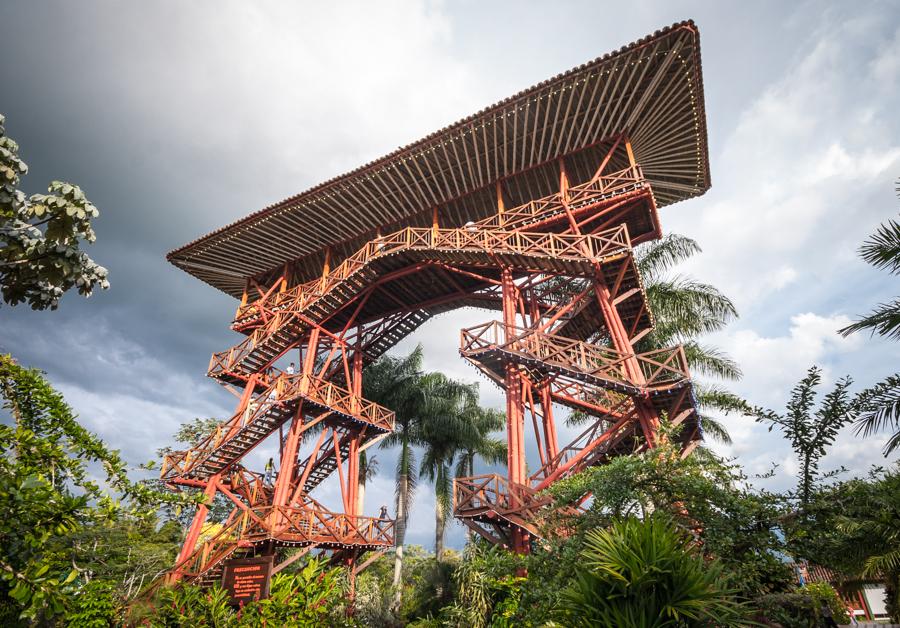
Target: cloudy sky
[177,118]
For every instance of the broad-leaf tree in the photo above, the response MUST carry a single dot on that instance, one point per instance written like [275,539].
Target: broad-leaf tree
[49,494]
[41,237]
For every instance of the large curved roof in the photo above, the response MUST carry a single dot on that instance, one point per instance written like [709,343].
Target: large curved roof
[651,89]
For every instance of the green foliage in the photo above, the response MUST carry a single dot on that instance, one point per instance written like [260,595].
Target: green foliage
[305,598]
[485,591]
[788,610]
[645,574]
[812,432]
[879,409]
[194,606]
[823,594]
[801,609]
[881,250]
[39,266]
[737,525]
[95,606]
[48,496]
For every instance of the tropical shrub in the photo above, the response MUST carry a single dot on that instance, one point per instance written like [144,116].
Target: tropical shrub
[736,524]
[647,574]
[306,598]
[95,606]
[787,610]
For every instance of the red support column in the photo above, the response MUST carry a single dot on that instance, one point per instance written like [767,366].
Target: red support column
[515,416]
[289,453]
[619,335]
[550,438]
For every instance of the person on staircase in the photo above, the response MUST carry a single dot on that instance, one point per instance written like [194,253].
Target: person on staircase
[270,471]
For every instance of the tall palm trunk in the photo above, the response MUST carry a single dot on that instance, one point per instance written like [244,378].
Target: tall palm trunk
[400,524]
[440,524]
[440,511]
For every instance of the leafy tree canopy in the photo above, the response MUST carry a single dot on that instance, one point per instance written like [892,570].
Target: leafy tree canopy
[49,494]
[41,236]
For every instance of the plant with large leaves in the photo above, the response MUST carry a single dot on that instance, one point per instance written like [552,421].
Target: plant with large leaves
[48,494]
[41,237]
[648,574]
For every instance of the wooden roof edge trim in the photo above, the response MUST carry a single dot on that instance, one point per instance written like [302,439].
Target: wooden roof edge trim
[687,25]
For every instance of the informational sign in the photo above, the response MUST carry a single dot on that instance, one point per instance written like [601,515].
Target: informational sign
[247,579]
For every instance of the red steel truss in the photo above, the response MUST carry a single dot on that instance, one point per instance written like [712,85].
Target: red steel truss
[561,273]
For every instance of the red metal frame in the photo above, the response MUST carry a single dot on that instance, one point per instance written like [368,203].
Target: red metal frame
[561,272]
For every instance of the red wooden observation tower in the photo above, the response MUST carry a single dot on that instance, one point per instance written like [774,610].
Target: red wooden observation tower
[530,208]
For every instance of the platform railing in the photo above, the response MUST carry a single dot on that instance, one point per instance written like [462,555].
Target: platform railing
[475,495]
[660,368]
[600,189]
[495,239]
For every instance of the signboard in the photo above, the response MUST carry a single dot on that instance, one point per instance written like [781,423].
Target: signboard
[247,579]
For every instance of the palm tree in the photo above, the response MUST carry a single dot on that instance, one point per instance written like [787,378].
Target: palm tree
[484,422]
[394,383]
[445,430]
[880,404]
[368,469]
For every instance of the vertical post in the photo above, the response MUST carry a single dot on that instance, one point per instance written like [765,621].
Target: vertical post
[631,160]
[326,265]
[563,179]
[289,452]
[501,206]
[434,225]
[284,278]
[515,416]
[550,439]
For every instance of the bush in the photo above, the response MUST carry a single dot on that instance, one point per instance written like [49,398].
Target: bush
[647,573]
[788,610]
[801,609]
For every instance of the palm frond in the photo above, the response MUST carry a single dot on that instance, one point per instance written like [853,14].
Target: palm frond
[720,399]
[684,309]
[882,249]
[707,360]
[884,321]
[715,430]
[879,408]
[659,256]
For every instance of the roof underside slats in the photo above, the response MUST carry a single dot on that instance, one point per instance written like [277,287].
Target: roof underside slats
[652,90]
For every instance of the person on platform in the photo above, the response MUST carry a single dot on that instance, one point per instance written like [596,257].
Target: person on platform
[290,369]
[270,470]
[384,513]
